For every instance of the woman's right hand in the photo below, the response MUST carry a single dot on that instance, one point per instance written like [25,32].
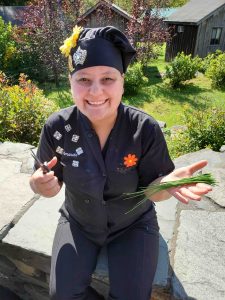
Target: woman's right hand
[46,184]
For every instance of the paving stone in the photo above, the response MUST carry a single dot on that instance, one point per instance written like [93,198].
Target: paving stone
[35,230]
[166,215]
[15,194]
[13,149]
[200,256]
[8,168]
[215,159]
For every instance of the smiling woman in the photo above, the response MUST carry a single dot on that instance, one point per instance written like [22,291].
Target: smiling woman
[104,150]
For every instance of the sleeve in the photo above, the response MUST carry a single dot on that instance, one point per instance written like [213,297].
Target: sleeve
[46,150]
[155,161]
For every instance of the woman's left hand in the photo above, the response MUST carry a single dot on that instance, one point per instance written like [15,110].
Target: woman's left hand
[188,192]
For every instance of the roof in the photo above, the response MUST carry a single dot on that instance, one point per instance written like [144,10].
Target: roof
[12,14]
[195,11]
[113,6]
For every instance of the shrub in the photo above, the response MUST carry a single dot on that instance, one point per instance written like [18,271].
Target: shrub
[206,61]
[182,68]
[23,111]
[134,79]
[8,52]
[205,129]
[216,71]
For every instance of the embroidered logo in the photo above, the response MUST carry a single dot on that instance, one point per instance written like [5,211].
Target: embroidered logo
[75,163]
[59,150]
[79,151]
[75,138]
[57,135]
[68,127]
[79,56]
[130,160]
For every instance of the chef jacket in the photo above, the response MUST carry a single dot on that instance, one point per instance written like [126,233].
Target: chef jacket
[97,181]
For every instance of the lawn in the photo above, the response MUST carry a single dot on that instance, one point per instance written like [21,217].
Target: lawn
[157,98]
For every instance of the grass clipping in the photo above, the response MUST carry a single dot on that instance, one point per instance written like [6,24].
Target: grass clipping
[155,188]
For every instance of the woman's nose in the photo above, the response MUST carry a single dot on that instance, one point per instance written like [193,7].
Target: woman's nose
[95,89]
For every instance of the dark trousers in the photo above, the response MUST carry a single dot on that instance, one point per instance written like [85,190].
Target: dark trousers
[132,261]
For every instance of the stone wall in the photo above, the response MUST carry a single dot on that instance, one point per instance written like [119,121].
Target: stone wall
[192,242]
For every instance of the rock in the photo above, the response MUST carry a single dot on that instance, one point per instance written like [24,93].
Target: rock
[15,195]
[200,256]
[35,230]
[10,149]
[218,192]
[222,149]
[215,159]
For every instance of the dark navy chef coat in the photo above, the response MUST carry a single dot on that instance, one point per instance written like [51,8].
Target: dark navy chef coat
[96,181]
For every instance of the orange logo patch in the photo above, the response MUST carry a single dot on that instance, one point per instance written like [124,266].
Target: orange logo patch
[130,160]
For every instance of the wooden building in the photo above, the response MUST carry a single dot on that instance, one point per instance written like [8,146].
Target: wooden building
[12,14]
[105,13]
[197,28]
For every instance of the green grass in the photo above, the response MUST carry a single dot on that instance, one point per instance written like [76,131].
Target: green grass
[157,98]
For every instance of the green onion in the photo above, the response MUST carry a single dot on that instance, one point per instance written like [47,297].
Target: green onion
[158,187]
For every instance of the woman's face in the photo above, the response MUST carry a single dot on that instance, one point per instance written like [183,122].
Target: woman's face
[97,92]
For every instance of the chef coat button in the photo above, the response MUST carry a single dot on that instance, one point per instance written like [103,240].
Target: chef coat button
[87,201]
[90,135]
[103,202]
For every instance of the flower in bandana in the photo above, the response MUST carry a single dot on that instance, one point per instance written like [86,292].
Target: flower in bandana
[130,160]
[71,42]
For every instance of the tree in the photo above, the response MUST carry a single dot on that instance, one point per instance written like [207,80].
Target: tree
[146,27]
[47,23]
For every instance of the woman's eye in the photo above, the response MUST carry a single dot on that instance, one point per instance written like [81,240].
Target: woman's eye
[108,79]
[83,80]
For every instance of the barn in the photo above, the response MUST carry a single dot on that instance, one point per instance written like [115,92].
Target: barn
[197,28]
[105,13]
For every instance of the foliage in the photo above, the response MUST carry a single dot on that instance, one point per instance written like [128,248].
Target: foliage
[177,3]
[8,50]
[23,110]
[146,28]
[206,60]
[47,24]
[205,129]
[182,68]
[134,79]
[216,71]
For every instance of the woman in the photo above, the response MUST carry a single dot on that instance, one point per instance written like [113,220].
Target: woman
[101,150]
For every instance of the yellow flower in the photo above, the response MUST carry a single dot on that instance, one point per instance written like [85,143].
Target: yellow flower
[71,42]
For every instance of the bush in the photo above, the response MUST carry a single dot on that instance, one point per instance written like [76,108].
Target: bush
[23,111]
[8,51]
[182,68]
[206,61]
[216,71]
[134,79]
[205,129]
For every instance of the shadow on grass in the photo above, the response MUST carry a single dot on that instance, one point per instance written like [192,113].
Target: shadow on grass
[186,94]
[138,100]
[153,75]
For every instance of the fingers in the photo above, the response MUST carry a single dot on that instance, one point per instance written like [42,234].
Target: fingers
[193,192]
[197,166]
[46,184]
[52,162]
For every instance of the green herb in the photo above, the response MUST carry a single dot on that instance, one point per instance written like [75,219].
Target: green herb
[158,187]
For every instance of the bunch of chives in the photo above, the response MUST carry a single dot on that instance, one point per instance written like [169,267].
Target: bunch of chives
[158,187]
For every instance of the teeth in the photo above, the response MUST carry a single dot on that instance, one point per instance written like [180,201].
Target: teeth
[96,102]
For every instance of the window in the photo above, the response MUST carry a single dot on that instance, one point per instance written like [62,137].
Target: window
[215,37]
[180,28]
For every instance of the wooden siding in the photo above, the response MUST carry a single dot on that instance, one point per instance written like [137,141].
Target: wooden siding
[203,46]
[181,41]
[97,19]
